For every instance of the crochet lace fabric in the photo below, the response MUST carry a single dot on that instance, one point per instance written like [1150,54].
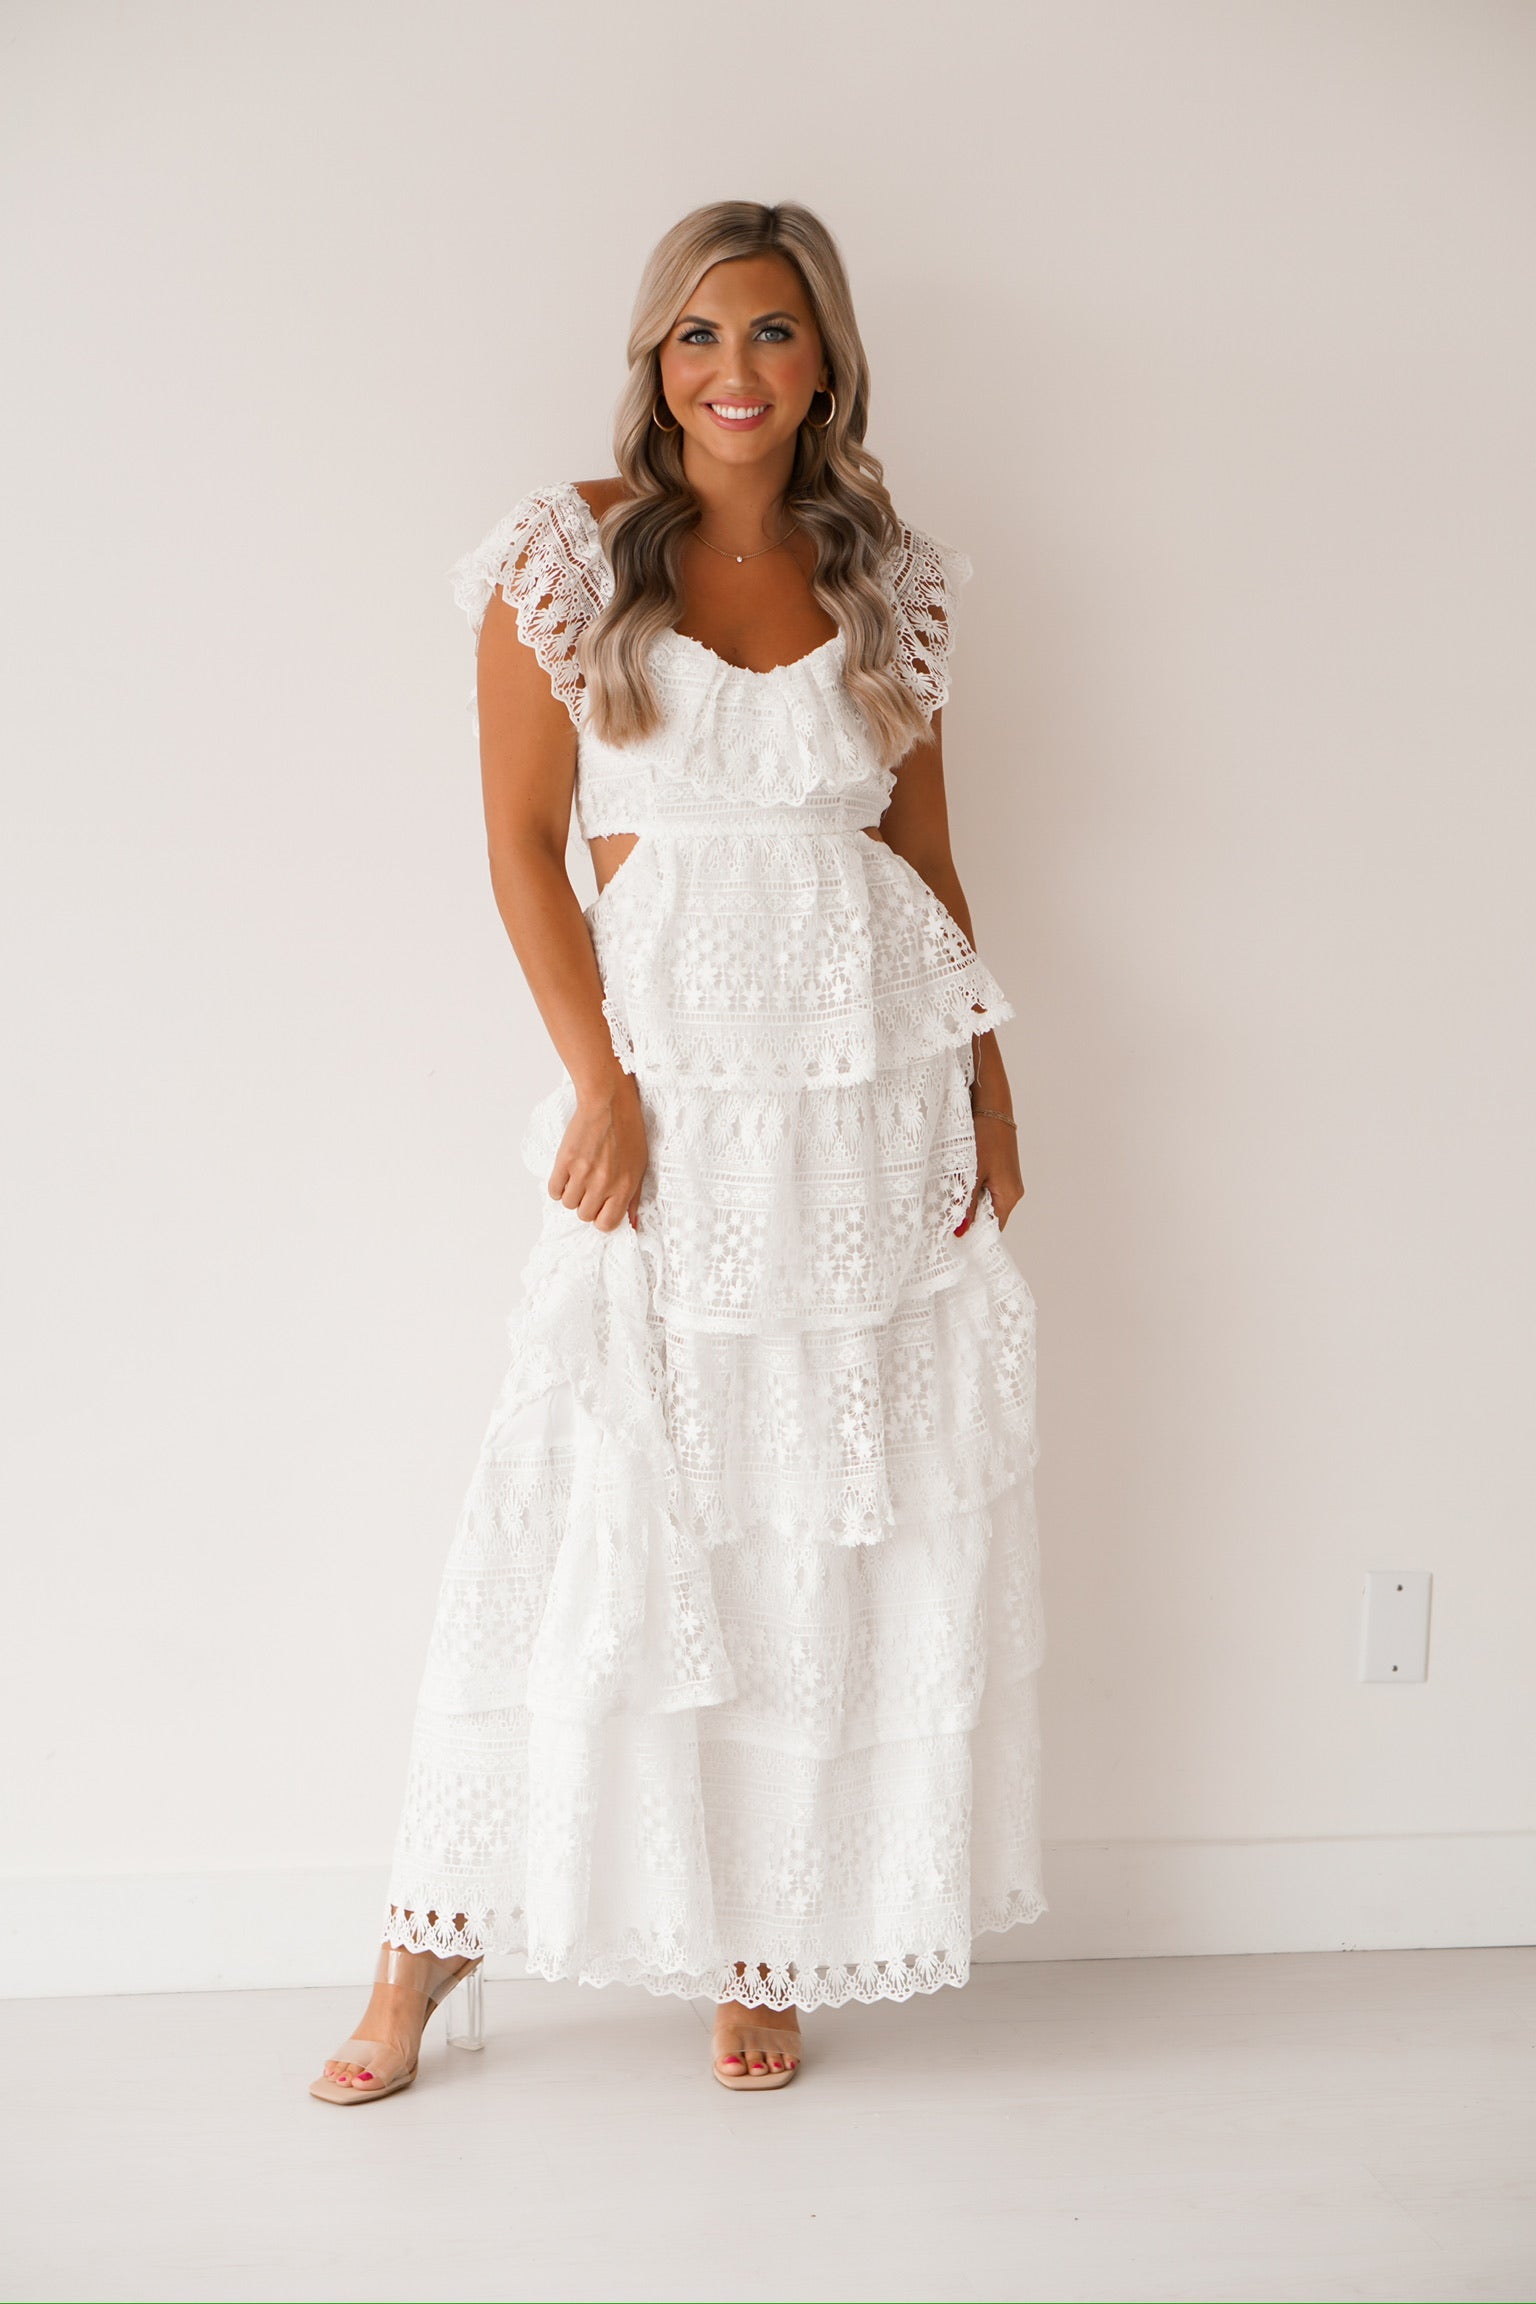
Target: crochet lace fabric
[731,1688]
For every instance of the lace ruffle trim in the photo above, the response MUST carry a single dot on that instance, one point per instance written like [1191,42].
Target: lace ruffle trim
[832,1984]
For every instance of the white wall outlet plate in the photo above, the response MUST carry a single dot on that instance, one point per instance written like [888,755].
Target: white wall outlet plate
[1394,1625]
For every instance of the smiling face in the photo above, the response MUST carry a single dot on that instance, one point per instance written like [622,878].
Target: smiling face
[742,362]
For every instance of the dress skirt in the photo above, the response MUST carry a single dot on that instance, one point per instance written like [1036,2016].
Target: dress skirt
[731,1689]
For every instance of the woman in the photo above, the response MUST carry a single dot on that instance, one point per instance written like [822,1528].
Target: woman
[731,1687]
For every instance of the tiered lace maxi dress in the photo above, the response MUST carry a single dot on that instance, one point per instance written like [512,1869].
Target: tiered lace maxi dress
[735,1653]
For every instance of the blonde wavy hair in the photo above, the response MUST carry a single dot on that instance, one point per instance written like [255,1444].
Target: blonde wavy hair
[836,490]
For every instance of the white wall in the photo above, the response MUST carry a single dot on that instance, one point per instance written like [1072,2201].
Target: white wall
[1208,330]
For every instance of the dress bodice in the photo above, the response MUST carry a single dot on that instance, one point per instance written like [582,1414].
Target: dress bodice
[753,936]
[735,750]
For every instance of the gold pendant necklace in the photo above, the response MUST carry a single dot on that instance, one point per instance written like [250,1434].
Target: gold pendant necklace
[741,558]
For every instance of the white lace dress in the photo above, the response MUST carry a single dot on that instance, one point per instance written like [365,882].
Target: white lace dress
[735,1652]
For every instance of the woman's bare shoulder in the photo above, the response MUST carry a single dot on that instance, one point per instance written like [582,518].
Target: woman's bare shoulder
[600,496]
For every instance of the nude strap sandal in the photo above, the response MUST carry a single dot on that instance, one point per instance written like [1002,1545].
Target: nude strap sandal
[434,1979]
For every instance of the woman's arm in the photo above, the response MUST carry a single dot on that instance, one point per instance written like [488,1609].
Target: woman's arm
[916,825]
[528,772]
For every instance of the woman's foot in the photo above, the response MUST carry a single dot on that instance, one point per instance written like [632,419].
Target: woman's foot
[395,2018]
[752,2043]
[381,2055]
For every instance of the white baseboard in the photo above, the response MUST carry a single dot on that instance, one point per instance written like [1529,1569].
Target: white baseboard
[1127,1899]
[225,1931]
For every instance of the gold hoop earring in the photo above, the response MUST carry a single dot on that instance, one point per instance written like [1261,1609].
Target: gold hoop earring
[831,413]
[674,426]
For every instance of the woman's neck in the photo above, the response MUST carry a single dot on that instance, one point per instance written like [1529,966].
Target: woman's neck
[741,506]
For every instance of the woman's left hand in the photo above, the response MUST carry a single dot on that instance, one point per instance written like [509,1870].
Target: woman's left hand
[997,1172]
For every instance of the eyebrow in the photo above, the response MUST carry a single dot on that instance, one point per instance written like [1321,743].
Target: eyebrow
[697,320]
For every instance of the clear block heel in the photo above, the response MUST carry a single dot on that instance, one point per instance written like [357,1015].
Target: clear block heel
[465,2014]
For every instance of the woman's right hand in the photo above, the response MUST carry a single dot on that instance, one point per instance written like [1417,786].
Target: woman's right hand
[601,1162]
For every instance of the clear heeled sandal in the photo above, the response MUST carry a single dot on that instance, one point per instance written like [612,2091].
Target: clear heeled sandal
[433,1979]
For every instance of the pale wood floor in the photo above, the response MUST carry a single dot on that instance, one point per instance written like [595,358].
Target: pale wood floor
[1294,2127]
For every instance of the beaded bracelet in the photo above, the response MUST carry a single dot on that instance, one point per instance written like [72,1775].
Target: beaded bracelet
[1006,1118]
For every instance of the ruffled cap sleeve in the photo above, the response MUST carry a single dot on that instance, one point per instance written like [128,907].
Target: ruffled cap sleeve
[924,578]
[545,561]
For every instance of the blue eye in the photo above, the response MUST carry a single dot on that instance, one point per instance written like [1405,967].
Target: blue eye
[774,332]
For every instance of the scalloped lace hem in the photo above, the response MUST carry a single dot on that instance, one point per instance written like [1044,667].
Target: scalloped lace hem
[789,1984]
[666,1048]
